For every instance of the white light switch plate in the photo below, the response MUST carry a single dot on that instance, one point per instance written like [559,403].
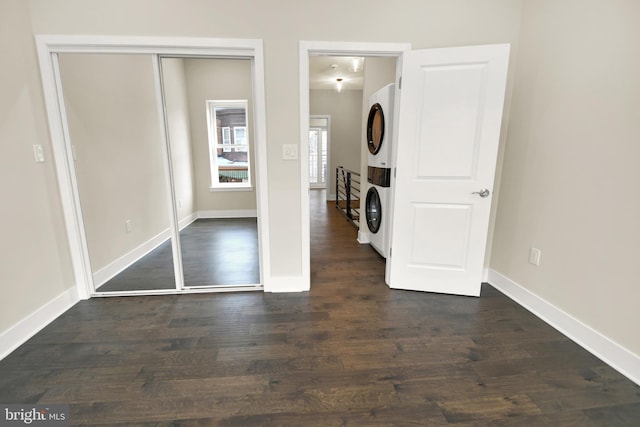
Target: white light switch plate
[289,151]
[38,153]
[534,256]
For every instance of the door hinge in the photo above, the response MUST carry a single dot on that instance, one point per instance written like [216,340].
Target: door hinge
[394,173]
[390,250]
[400,83]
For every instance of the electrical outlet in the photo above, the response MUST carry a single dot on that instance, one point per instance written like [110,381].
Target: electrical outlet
[534,256]
[289,152]
[127,226]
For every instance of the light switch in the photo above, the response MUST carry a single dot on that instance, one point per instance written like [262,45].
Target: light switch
[289,151]
[38,153]
[534,256]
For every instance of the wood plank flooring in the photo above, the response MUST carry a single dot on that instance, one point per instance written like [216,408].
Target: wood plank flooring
[350,352]
[215,252]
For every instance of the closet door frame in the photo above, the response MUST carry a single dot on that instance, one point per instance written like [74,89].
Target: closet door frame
[49,46]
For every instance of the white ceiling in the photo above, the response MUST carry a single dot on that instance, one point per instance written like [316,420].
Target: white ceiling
[324,70]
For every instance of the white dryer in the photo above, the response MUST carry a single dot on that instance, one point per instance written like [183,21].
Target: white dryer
[379,127]
[377,207]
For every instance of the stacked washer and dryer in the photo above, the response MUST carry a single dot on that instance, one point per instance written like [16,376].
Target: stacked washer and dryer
[379,143]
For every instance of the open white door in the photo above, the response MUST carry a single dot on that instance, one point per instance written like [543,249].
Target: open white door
[450,113]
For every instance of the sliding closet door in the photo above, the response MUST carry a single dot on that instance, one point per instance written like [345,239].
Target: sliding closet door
[121,169]
[208,111]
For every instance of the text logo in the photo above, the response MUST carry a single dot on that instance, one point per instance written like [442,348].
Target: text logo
[34,415]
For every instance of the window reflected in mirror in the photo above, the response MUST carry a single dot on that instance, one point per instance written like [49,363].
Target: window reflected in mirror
[229,143]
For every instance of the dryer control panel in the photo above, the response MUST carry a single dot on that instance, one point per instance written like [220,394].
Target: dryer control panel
[379,176]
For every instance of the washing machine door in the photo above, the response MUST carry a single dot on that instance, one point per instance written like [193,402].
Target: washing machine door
[375,128]
[373,210]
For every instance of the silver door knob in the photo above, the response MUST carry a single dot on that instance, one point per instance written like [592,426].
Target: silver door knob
[482,193]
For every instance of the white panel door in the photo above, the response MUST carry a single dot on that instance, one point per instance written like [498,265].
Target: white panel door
[449,125]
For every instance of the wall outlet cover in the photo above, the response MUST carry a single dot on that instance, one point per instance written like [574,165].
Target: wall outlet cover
[534,256]
[289,151]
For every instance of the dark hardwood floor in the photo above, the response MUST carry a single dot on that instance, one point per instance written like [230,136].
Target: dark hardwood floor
[350,352]
[215,252]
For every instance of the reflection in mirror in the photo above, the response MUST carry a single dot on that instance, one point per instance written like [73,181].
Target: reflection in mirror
[120,166]
[208,105]
[228,143]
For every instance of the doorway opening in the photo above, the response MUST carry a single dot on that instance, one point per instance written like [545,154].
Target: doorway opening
[443,159]
[392,51]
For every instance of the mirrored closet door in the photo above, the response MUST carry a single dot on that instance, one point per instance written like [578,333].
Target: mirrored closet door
[208,112]
[121,169]
[163,159]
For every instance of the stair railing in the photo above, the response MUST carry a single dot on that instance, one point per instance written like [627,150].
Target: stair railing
[348,194]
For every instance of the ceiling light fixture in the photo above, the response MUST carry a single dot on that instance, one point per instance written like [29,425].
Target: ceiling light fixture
[339,84]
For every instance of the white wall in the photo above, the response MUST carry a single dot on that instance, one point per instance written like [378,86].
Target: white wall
[345,109]
[571,166]
[120,163]
[217,79]
[177,111]
[35,265]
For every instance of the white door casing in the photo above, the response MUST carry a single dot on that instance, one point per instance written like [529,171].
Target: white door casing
[451,103]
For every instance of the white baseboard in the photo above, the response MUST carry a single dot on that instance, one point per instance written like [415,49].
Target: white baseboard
[188,220]
[286,284]
[20,332]
[238,213]
[612,353]
[363,238]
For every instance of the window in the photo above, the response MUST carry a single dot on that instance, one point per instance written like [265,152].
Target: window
[318,151]
[228,144]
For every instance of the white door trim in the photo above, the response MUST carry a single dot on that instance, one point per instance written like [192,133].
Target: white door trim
[308,48]
[49,46]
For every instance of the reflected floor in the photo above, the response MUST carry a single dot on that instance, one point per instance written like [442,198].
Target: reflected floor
[215,252]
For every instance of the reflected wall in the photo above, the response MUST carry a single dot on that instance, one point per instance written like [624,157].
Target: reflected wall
[120,162]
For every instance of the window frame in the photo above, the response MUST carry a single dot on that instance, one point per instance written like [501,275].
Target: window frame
[226,137]
[214,144]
